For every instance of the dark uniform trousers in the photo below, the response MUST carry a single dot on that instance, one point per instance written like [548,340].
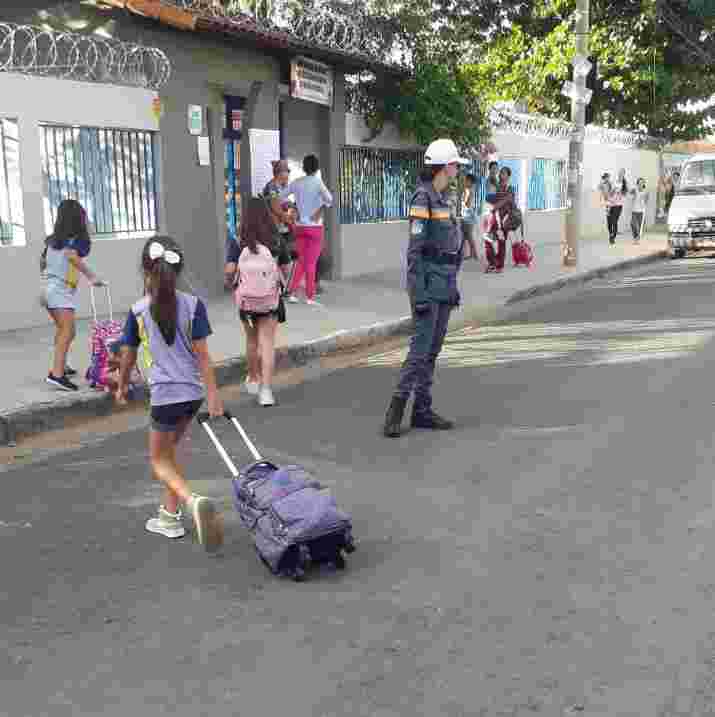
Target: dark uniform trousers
[417,373]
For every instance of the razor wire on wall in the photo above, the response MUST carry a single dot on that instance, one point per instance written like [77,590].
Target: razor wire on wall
[319,26]
[33,50]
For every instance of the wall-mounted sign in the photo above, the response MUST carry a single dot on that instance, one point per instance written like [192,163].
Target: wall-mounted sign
[312,81]
[204,151]
[196,119]
[233,117]
[236,120]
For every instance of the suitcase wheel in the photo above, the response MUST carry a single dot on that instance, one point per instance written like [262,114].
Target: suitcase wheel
[340,562]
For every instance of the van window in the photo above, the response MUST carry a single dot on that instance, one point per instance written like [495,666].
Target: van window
[698,174]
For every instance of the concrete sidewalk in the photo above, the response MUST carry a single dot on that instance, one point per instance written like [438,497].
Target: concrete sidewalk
[356,311]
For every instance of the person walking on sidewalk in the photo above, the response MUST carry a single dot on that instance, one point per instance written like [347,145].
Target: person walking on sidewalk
[433,259]
[312,197]
[61,264]
[172,329]
[257,227]
[641,198]
[615,205]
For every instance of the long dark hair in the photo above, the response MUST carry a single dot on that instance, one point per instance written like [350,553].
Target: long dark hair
[257,226]
[71,223]
[162,286]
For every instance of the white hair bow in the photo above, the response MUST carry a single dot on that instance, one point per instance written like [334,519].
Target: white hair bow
[157,251]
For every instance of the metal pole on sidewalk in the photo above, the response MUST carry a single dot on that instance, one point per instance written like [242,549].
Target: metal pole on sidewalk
[580,97]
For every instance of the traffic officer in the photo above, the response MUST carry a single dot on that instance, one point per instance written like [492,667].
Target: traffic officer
[434,257]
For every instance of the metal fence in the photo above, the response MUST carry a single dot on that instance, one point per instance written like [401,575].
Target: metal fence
[111,172]
[12,229]
[548,184]
[375,185]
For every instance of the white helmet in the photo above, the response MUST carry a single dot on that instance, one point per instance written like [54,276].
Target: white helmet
[444,151]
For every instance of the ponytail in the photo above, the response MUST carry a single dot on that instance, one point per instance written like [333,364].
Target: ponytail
[162,275]
[162,290]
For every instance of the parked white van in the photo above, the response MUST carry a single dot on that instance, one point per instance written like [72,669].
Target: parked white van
[691,219]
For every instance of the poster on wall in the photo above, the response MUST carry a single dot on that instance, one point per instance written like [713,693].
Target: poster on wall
[265,148]
[311,81]
[196,119]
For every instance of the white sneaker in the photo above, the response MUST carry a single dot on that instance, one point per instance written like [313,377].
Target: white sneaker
[207,522]
[167,524]
[293,299]
[313,302]
[251,387]
[265,396]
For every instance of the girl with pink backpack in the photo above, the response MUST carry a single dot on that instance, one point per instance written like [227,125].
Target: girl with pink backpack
[257,269]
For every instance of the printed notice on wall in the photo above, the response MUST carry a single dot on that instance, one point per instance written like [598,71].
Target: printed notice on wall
[312,81]
[265,148]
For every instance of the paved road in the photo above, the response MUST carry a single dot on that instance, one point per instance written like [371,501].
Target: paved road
[552,555]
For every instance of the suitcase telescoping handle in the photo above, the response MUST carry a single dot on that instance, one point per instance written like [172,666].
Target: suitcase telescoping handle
[205,421]
[94,302]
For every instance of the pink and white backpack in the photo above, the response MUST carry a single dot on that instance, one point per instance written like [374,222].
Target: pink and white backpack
[259,284]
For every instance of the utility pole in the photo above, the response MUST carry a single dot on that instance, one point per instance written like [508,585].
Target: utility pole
[580,97]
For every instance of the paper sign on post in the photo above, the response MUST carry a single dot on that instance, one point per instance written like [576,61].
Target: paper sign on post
[265,148]
[204,150]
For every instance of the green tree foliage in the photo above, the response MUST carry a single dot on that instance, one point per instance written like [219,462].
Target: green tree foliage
[434,40]
[647,74]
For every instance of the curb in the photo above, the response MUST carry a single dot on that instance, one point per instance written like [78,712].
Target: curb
[36,418]
[584,277]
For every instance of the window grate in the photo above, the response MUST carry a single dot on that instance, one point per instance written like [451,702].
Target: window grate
[111,172]
[12,222]
[375,185]
[548,184]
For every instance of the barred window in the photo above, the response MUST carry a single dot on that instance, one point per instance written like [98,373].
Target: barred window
[111,172]
[548,184]
[375,185]
[12,222]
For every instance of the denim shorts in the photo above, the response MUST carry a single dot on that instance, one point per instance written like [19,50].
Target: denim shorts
[59,295]
[165,419]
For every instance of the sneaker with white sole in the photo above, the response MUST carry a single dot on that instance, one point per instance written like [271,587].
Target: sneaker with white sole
[63,383]
[265,396]
[167,524]
[313,302]
[207,522]
[292,299]
[251,387]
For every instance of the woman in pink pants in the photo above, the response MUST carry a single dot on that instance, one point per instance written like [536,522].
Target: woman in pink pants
[311,197]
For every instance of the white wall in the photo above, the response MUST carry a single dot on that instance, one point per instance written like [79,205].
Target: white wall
[375,247]
[32,100]
[357,133]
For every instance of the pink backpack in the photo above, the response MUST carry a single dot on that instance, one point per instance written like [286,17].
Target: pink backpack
[259,286]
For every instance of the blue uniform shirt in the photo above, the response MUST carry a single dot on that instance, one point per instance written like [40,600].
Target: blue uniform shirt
[433,254]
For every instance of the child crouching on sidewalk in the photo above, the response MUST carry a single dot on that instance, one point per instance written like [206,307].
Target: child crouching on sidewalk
[172,328]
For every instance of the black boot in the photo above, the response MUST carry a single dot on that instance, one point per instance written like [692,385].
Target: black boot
[429,419]
[393,419]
